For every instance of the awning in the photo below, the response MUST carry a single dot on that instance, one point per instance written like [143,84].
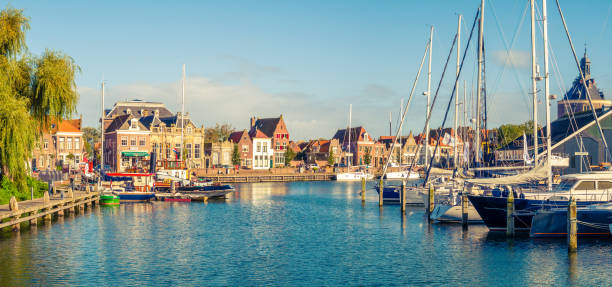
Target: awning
[135,153]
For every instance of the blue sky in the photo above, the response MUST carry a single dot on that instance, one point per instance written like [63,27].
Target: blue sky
[305,59]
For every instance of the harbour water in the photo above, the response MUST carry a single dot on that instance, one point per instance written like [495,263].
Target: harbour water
[290,234]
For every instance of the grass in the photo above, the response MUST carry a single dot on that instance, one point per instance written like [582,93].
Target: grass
[9,189]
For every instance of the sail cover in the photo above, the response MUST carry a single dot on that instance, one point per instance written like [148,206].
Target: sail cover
[538,173]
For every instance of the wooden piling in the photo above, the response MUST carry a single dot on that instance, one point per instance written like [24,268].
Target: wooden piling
[572,228]
[464,210]
[363,189]
[431,201]
[46,203]
[14,207]
[34,221]
[403,196]
[60,212]
[510,214]
[380,193]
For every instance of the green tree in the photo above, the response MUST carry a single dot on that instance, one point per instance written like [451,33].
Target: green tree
[236,155]
[509,132]
[289,156]
[219,133]
[33,90]
[331,159]
[367,158]
[91,136]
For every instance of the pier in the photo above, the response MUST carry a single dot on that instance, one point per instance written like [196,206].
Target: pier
[269,177]
[14,213]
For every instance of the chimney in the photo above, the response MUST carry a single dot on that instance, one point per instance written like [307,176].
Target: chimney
[253,120]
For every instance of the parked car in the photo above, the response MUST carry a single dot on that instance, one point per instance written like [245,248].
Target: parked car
[312,166]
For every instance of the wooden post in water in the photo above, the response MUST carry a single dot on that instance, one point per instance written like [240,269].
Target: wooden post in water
[46,202]
[380,193]
[510,214]
[572,228]
[363,189]
[403,196]
[430,203]
[464,210]
[14,206]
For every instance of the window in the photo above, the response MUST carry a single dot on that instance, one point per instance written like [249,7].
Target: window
[188,150]
[142,141]
[154,148]
[586,185]
[226,158]
[258,147]
[69,143]
[245,148]
[277,145]
[77,143]
[134,124]
[61,143]
[123,141]
[188,130]
[46,144]
[197,150]
[265,147]
[168,152]
[132,141]
[604,185]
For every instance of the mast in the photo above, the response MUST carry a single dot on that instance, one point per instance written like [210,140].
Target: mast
[533,85]
[182,116]
[464,135]
[547,96]
[457,90]
[349,134]
[428,96]
[400,133]
[389,123]
[102,133]
[479,83]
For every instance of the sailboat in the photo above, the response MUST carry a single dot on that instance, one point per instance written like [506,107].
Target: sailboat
[405,171]
[352,175]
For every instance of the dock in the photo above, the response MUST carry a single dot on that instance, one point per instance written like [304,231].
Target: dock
[269,177]
[15,213]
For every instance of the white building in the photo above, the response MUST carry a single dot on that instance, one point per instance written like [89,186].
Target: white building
[263,153]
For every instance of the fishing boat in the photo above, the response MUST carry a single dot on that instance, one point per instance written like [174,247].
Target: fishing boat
[593,221]
[131,186]
[586,188]
[205,192]
[109,199]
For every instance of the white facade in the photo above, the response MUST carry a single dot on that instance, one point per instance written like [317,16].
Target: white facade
[263,153]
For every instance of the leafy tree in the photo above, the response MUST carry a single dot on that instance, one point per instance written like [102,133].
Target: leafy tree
[33,90]
[331,158]
[289,156]
[367,158]
[91,136]
[509,132]
[218,133]
[236,155]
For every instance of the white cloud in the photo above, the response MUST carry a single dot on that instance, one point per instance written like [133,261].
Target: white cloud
[516,59]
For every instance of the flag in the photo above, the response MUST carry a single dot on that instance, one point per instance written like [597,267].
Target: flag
[526,158]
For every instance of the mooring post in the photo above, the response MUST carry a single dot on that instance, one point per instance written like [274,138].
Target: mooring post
[14,207]
[46,203]
[403,196]
[572,228]
[380,193]
[510,214]
[430,203]
[464,211]
[363,189]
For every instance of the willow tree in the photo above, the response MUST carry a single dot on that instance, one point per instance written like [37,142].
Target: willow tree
[33,91]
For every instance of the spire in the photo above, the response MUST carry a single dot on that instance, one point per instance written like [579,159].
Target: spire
[585,65]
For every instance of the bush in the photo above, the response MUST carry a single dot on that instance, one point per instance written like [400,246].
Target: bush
[9,188]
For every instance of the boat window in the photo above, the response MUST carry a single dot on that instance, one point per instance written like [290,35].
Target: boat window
[586,185]
[604,184]
[566,184]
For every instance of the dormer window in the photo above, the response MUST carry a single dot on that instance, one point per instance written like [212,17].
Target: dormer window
[188,130]
[134,124]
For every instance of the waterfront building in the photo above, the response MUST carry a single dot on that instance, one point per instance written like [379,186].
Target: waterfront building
[218,154]
[126,144]
[60,145]
[263,153]
[276,130]
[575,100]
[361,147]
[243,142]
[319,151]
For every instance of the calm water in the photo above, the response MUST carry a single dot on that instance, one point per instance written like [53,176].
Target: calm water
[299,233]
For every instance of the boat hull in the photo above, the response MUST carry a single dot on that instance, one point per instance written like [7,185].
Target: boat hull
[391,195]
[109,199]
[453,214]
[492,210]
[402,175]
[136,196]
[351,176]
[553,223]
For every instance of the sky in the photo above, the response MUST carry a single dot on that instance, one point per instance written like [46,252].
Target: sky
[308,60]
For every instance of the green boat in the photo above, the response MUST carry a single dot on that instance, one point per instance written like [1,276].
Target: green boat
[109,199]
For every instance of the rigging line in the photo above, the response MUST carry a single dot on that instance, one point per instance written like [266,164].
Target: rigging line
[452,93]
[603,138]
[605,24]
[405,111]
[509,50]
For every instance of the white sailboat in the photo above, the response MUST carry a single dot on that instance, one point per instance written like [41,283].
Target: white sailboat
[352,175]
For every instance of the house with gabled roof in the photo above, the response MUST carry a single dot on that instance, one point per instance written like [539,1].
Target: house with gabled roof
[263,154]
[126,144]
[276,130]
[61,144]
[361,146]
[243,142]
